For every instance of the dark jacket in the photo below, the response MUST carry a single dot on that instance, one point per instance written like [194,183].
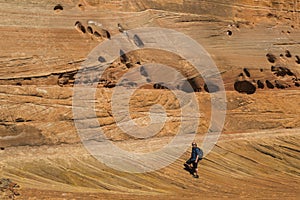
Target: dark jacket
[196,151]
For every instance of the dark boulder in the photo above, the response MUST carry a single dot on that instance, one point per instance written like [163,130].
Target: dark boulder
[271,58]
[260,84]
[269,84]
[244,87]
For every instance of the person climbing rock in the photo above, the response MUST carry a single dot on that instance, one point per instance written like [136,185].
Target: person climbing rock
[192,163]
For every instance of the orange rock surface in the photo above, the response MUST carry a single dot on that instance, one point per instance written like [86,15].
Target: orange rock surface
[254,44]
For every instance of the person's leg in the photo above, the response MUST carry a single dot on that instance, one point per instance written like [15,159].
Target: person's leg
[189,162]
[189,167]
[196,172]
[195,166]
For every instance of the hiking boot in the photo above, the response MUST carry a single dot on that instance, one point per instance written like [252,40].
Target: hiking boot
[186,165]
[196,176]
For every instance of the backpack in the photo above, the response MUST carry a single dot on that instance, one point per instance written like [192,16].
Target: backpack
[200,153]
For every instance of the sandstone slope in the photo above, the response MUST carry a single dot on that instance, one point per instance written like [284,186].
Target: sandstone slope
[255,46]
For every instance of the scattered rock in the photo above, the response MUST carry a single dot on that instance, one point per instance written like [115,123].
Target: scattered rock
[244,87]
[110,85]
[281,71]
[58,7]
[229,32]
[269,84]
[90,30]
[120,27]
[80,27]
[156,86]
[246,71]
[66,78]
[297,59]
[274,69]
[159,86]
[129,65]
[63,80]
[123,57]
[97,35]
[143,71]
[20,120]
[280,85]
[9,188]
[289,72]
[81,6]
[101,59]
[288,54]
[137,41]
[271,58]
[105,34]
[260,84]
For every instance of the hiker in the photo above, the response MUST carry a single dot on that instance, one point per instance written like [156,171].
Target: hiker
[196,156]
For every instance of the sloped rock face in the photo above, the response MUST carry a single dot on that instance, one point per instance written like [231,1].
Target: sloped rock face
[44,54]
[255,45]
